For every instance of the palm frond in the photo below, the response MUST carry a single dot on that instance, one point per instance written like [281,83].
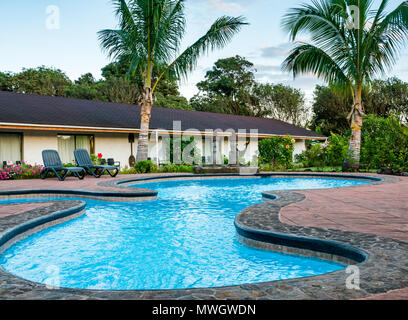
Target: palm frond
[306,58]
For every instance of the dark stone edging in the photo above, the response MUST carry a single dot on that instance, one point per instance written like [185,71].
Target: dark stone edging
[123,183]
[88,193]
[385,269]
[58,211]
[299,241]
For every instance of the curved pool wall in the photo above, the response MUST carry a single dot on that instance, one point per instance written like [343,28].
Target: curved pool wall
[195,283]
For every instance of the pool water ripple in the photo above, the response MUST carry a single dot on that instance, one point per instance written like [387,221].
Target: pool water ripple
[184,239]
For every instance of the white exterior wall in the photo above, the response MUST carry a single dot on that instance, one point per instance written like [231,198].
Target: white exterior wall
[35,142]
[116,146]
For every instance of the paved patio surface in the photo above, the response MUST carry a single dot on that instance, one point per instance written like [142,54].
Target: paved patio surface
[379,209]
[376,209]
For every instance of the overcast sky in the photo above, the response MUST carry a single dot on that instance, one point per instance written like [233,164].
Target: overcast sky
[28,38]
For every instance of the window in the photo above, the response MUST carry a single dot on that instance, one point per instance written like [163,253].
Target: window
[68,143]
[10,147]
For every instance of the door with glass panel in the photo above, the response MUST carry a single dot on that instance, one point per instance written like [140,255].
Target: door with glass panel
[10,147]
[67,144]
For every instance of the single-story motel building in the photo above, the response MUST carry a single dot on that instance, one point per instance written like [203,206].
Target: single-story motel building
[30,124]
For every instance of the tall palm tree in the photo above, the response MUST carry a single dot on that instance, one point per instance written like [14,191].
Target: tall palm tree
[149,37]
[349,43]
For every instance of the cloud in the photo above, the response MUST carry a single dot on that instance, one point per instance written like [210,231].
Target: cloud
[267,68]
[226,6]
[280,50]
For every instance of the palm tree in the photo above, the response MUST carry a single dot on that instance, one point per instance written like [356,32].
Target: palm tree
[349,43]
[149,38]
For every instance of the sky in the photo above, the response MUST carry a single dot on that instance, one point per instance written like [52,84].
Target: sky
[31,35]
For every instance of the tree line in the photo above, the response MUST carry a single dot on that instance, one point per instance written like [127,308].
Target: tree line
[230,87]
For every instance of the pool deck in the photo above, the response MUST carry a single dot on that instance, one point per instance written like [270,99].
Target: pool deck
[380,209]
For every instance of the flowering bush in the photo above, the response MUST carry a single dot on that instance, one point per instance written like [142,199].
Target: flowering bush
[97,159]
[277,151]
[328,154]
[19,172]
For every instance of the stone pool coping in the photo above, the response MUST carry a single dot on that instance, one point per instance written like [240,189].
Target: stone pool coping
[384,269]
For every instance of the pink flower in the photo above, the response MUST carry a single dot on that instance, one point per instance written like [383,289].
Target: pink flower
[100,155]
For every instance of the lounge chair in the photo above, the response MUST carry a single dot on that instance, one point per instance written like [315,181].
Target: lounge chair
[52,163]
[83,159]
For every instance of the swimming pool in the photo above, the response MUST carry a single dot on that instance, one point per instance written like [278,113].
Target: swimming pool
[184,239]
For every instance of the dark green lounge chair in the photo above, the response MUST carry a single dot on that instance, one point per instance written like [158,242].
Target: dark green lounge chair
[83,159]
[52,163]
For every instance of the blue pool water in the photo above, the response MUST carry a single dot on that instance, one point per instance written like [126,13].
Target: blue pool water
[184,239]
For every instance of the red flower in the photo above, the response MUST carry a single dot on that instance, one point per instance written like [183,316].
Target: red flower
[287,146]
[100,155]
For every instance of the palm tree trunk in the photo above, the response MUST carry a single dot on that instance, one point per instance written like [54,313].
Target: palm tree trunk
[352,161]
[143,143]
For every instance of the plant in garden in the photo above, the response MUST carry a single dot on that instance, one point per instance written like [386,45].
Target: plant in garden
[19,172]
[276,151]
[97,159]
[385,143]
[145,167]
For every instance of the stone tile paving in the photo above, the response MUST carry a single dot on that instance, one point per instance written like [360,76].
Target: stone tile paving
[13,209]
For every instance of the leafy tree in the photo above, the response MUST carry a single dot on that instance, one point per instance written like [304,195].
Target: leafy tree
[282,102]
[384,98]
[121,90]
[388,97]
[86,87]
[86,79]
[330,110]
[347,48]
[172,102]
[277,151]
[230,87]
[42,81]
[149,38]
[227,87]
[385,143]
[6,83]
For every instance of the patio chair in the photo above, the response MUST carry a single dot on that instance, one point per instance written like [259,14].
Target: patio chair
[52,163]
[84,160]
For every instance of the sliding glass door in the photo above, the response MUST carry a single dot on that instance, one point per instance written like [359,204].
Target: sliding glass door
[10,147]
[68,143]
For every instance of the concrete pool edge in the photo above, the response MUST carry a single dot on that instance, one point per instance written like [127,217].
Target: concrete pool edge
[384,269]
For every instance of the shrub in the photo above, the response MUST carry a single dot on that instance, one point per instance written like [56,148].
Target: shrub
[277,151]
[384,143]
[328,154]
[97,159]
[173,168]
[145,167]
[336,149]
[19,172]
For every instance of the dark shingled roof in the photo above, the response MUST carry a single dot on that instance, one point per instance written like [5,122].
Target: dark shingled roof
[45,110]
